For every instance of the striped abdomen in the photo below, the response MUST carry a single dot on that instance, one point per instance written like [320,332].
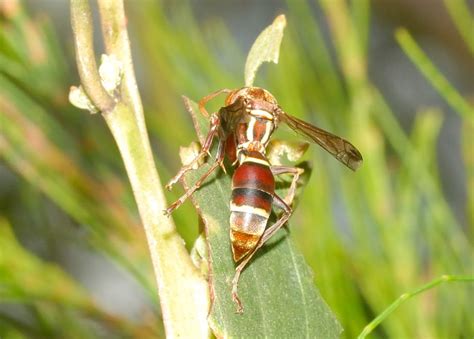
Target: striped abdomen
[253,187]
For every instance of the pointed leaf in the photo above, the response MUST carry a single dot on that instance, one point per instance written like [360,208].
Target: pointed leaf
[276,288]
[265,48]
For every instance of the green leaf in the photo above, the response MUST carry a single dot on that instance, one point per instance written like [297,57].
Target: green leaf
[468,156]
[463,20]
[265,48]
[276,288]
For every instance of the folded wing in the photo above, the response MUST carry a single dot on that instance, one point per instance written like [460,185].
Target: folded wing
[340,148]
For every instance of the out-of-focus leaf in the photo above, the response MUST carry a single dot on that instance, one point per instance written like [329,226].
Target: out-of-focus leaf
[461,15]
[265,48]
[276,288]
[425,132]
[24,276]
[433,75]
[26,279]
[29,50]
[468,155]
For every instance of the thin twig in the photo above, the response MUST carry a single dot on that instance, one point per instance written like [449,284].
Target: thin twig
[82,27]
[114,30]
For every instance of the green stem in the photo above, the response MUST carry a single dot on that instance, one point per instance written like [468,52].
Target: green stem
[81,21]
[405,296]
[182,290]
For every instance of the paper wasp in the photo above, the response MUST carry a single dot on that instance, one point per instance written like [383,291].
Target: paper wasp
[243,128]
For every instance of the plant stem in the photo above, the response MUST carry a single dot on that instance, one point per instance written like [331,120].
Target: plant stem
[405,296]
[182,290]
[81,21]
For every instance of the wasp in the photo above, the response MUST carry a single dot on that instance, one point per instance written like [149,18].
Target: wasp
[243,128]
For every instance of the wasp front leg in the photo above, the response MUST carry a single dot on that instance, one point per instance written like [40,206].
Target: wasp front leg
[202,103]
[296,172]
[213,131]
[269,232]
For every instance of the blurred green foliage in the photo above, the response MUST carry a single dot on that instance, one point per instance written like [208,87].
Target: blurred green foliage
[368,236]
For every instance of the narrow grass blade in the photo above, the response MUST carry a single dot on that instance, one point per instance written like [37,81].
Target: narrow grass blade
[390,309]
[463,19]
[433,75]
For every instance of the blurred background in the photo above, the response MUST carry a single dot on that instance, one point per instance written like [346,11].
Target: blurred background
[73,257]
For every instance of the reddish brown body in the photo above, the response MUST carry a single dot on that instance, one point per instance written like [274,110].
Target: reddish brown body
[253,187]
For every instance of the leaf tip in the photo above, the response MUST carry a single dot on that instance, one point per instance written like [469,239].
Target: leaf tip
[265,48]
[401,33]
[280,21]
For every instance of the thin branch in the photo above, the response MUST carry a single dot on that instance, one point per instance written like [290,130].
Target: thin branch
[114,30]
[82,27]
[182,290]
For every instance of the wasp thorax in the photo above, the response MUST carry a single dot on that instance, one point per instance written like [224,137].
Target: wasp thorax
[251,94]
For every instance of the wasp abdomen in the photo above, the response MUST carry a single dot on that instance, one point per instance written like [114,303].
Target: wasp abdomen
[253,187]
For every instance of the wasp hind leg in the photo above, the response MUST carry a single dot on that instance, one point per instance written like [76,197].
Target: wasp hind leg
[269,232]
[296,172]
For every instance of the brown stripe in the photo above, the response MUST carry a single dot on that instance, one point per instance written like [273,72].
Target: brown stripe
[253,175]
[252,197]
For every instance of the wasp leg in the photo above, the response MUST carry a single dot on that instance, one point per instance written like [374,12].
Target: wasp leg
[208,98]
[213,131]
[296,172]
[218,162]
[269,232]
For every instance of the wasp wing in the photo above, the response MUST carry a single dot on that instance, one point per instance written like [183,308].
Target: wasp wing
[340,148]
